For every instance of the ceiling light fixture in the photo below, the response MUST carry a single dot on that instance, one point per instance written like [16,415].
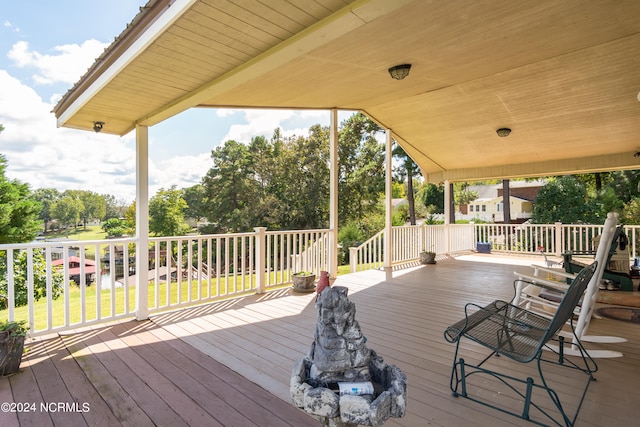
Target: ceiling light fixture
[503,132]
[399,72]
[97,126]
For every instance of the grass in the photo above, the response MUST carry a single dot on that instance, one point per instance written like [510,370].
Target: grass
[121,300]
[92,232]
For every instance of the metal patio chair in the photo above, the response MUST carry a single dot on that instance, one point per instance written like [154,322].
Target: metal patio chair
[523,336]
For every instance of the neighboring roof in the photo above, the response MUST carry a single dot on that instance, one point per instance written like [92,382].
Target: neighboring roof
[87,262]
[562,75]
[490,191]
[89,265]
[397,202]
[497,199]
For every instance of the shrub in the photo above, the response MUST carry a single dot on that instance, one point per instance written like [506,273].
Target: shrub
[20,278]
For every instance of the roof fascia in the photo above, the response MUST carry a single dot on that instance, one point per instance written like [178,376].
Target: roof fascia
[581,165]
[118,59]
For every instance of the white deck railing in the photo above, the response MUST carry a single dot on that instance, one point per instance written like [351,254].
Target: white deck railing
[409,241]
[187,270]
[97,279]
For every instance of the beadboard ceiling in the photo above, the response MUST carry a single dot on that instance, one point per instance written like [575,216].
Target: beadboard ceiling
[564,76]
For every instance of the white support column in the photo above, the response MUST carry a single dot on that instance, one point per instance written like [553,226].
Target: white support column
[260,257]
[558,250]
[333,194]
[142,221]
[388,203]
[447,203]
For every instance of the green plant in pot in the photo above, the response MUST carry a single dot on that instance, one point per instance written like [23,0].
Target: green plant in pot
[427,257]
[12,336]
[303,281]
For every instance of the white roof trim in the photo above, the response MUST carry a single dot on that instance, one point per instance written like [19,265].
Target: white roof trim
[163,22]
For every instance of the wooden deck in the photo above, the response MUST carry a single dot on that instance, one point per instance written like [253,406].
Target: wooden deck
[229,363]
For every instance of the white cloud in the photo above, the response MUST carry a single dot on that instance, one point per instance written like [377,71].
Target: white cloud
[45,156]
[181,171]
[226,112]
[9,25]
[264,122]
[68,63]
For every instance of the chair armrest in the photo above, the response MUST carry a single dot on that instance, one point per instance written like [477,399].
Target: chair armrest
[472,319]
[497,323]
[543,283]
[554,271]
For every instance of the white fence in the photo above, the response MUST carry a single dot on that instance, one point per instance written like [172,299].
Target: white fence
[409,241]
[63,285]
[95,281]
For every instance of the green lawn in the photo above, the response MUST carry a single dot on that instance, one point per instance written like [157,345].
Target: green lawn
[93,232]
[117,301]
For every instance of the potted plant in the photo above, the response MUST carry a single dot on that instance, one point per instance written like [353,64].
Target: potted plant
[12,336]
[303,281]
[427,257]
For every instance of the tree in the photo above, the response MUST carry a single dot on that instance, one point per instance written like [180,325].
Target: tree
[409,169]
[130,218]
[114,227]
[305,183]
[284,182]
[361,169]
[95,206]
[565,200]
[67,210]
[631,211]
[462,193]
[432,197]
[47,197]
[269,168]
[625,184]
[230,187]
[195,196]
[166,213]
[18,210]
[397,190]
[506,202]
[114,208]
[39,269]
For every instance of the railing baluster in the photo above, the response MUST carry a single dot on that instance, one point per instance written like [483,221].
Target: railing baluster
[30,293]
[83,285]
[49,288]
[231,263]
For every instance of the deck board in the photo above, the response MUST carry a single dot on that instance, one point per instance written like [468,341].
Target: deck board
[403,315]
[229,363]
[137,374]
[78,385]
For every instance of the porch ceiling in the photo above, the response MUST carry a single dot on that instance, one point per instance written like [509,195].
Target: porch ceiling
[562,75]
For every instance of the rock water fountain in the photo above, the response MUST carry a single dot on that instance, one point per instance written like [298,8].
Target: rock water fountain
[340,380]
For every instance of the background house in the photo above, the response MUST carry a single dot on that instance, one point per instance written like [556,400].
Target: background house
[74,269]
[488,206]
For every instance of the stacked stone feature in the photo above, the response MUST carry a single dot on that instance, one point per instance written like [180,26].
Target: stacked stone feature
[339,355]
[339,352]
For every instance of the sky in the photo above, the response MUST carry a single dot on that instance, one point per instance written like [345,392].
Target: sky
[45,47]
